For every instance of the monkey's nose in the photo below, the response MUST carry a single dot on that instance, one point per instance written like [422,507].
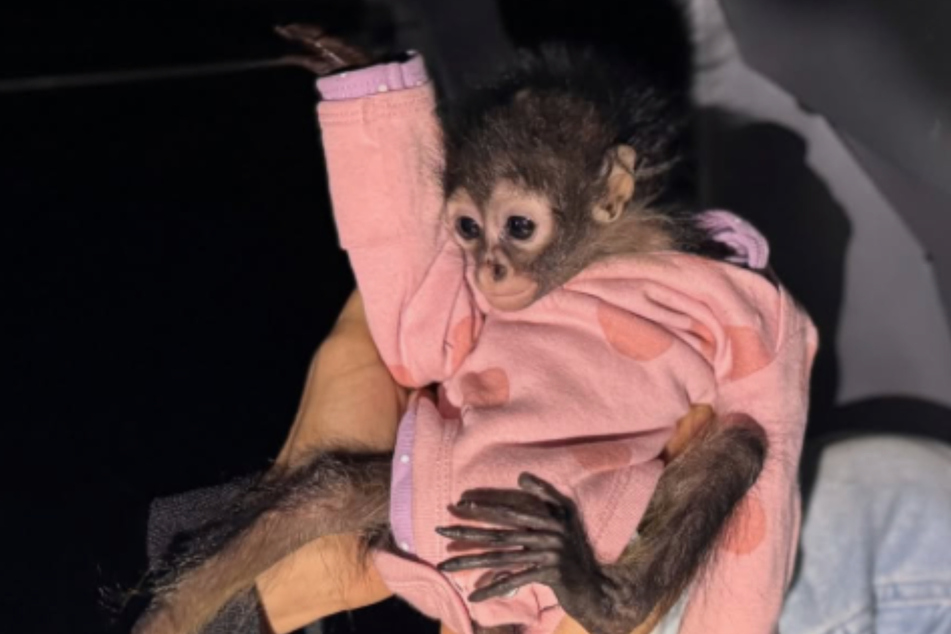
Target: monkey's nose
[499,271]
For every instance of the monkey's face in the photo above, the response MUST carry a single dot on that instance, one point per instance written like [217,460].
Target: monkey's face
[521,246]
[501,238]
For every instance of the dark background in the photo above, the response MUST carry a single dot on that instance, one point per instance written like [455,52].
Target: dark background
[174,268]
[174,263]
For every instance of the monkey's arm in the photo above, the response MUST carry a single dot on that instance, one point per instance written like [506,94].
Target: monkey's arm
[383,157]
[384,153]
[694,498]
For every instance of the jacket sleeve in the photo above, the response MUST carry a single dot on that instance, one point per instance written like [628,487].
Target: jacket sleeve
[383,159]
[743,591]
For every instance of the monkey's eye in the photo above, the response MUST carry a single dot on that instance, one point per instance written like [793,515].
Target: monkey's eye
[468,228]
[520,227]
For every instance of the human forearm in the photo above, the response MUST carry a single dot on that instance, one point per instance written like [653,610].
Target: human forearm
[350,399]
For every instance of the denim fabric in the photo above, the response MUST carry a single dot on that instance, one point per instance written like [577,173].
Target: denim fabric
[876,541]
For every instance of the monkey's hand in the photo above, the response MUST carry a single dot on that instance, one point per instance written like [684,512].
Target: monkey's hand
[322,54]
[544,543]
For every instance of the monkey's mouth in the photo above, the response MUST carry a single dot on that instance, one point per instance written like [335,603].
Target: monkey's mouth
[512,301]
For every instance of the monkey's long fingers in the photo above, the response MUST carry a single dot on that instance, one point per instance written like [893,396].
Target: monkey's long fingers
[306,34]
[328,48]
[500,559]
[542,489]
[313,64]
[531,539]
[504,515]
[511,583]
[515,498]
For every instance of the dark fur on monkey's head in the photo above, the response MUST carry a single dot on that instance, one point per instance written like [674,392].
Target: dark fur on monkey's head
[560,108]
[568,157]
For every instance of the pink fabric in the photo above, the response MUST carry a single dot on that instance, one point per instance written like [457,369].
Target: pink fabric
[583,388]
[752,251]
[374,79]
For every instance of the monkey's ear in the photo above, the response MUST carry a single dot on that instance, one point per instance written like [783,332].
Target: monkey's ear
[619,172]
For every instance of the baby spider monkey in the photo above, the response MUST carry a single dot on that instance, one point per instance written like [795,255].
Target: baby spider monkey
[564,225]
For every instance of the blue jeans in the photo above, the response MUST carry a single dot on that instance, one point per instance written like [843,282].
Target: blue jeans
[876,541]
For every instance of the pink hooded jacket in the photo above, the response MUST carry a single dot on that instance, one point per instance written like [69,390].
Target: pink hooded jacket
[583,388]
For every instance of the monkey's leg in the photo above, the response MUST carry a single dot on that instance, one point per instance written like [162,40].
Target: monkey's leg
[694,498]
[331,494]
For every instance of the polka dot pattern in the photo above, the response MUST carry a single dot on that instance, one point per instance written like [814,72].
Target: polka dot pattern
[462,341]
[601,456]
[489,388]
[633,336]
[750,352]
[747,528]
[401,375]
